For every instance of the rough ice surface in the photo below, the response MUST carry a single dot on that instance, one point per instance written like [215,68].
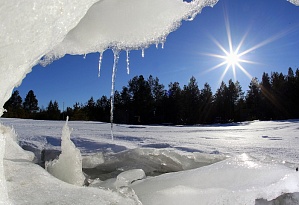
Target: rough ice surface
[68,167]
[296,2]
[3,192]
[29,184]
[12,149]
[127,177]
[238,180]
[266,175]
[92,161]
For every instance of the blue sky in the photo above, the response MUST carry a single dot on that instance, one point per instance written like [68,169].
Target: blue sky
[273,24]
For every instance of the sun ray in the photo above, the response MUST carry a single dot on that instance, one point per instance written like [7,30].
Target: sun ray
[234,56]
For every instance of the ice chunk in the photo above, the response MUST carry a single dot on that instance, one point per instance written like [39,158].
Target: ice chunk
[3,190]
[237,180]
[12,149]
[92,161]
[296,2]
[68,167]
[128,177]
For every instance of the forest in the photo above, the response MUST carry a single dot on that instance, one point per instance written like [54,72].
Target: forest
[147,101]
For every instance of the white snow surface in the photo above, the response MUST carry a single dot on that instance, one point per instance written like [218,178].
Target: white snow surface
[237,163]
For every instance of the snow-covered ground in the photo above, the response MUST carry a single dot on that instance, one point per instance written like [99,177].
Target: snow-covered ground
[216,164]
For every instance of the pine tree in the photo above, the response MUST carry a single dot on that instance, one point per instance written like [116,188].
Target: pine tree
[30,104]
[14,106]
[253,99]
[191,102]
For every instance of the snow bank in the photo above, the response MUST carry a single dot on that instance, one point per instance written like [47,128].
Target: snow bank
[238,180]
[68,167]
[3,192]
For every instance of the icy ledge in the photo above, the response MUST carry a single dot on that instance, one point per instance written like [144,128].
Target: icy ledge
[33,29]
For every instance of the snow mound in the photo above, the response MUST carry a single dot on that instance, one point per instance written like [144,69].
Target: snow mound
[68,167]
[12,149]
[3,191]
[238,180]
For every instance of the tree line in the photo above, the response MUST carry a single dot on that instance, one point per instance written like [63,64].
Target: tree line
[147,101]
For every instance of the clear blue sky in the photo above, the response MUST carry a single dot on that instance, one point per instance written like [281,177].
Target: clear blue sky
[75,79]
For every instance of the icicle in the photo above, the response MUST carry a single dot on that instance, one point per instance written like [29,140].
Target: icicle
[116,57]
[157,45]
[142,53]
[100,63]
[128,62]
[162,45]
[84,57]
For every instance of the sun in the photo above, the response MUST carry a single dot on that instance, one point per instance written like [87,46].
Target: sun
[234,57]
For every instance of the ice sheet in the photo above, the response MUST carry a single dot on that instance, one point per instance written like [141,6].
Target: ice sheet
[238,180]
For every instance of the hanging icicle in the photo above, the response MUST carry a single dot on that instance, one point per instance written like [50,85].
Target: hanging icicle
[84,56]
[142,53]
[100,63]
[116,57]
[128,62]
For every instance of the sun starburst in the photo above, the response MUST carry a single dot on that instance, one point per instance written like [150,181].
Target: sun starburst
[233,57]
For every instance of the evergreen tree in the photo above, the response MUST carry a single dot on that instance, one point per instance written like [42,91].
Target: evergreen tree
[142,100]
[173,107]
[53,111]
[158,94]
[14,106]
[266,98]
[191,102]
[90,109]
[206,98]
[221,104]
[103,109]
[30,104]
[253,99]
[278,85]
